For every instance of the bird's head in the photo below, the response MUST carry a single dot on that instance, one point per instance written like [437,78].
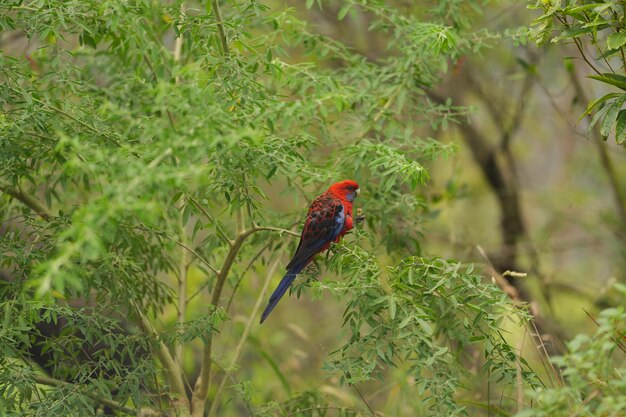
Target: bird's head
[346,190]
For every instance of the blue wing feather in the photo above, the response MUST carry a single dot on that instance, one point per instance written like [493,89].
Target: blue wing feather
[321,228]
[311,242]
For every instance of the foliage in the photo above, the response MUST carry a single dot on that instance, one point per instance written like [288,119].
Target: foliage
[599,24]
[426,314]
[148,152]
[596,381]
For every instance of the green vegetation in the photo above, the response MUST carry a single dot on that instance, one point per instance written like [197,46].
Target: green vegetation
[157,159]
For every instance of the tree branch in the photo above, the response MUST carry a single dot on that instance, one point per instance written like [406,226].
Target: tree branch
[201,387]
[182,290]
[493,162]
[275,229]
[52,382]
[514,295]
[255,229]
[245,271]
[28,200]
[246,332]
[178,44]
[220,27]
[173,372]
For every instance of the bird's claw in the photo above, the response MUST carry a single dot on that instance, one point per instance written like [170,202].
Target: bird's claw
[360,217]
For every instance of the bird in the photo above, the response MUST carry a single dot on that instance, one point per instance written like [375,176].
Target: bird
[328,219]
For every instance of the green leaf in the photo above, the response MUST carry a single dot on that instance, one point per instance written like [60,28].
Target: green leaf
[620,287]
[597,116]
[343,11]
[542,32]
[572,32]
[392,307]
[616,40]
[271,172]
[620,129]
[595,102]
[611,116]
[617,80]
[309,3]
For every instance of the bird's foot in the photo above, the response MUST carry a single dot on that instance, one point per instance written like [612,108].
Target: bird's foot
[360,217]
[312,269]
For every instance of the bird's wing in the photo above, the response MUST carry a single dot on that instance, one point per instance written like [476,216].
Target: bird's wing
[325,221]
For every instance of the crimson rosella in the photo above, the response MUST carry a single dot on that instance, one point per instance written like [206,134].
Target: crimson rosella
[329,218]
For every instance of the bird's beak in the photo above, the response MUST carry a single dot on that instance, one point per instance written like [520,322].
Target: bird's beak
[357,191]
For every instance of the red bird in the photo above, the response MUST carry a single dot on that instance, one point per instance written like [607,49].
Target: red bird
[329,218]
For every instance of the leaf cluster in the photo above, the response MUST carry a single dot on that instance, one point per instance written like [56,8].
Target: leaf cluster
[601,25]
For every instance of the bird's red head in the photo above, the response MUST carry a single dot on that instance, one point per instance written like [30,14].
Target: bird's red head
[346,190]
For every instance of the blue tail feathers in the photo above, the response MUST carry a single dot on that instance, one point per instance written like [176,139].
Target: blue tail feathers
[282,288]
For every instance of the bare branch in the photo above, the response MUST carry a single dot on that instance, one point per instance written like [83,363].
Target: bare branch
[243,274]
[620,344]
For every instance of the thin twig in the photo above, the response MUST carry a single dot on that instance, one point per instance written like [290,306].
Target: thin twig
[619,343]
[582,53]
[364,400]
[519,381]
[68,115]
[245,271]
[582,405]
[276,229]
[209,216]
[255,229]
[178,45]
[197,255]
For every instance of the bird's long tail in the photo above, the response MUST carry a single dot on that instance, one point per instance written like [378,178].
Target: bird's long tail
[282,288]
